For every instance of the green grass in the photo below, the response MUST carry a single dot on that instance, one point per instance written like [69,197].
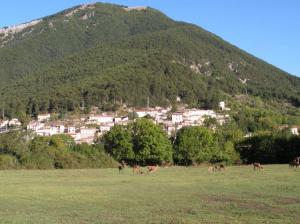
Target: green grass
[173,195]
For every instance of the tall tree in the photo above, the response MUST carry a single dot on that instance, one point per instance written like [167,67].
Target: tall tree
[194,145]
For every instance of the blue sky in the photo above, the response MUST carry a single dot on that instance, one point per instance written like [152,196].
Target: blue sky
[268,29]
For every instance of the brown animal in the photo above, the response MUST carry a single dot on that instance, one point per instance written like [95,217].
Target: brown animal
[216,168]
[257,166]
[212,169]
[221,168]
[137,169]
[152,169]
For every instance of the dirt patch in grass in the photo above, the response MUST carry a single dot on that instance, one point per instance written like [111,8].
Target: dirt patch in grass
[241,203]
[286,201]
[278,200]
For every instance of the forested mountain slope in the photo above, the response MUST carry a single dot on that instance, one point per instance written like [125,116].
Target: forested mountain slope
[108,54]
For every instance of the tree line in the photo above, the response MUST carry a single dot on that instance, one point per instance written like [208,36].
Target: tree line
[145,143]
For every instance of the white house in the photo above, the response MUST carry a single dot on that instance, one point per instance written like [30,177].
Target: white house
[44,132]
[85,135]
[198,116]
[88,132]
[100,119]
[177,118]
[141,113]
[43,117]
[294,131]
[105,128]
[14,122]
[35,125]
[4,123]
[57,129]
[222,105]
[71,129]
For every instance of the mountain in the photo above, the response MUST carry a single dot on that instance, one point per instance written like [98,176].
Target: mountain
[106,54]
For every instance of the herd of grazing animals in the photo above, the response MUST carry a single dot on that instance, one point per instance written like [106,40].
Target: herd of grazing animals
[211,169]
[216,168]
[295,163]
[137,169]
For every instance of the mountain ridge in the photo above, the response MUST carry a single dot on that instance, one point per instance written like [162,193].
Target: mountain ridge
[98,50]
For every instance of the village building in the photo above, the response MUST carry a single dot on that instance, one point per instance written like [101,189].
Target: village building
[101,119]
[14,122]
[294,131]
[102,123]
[43,117]
[85,135]
[4,123]
[177,118]
[71,130]
[105,128]
[223,107]
[57,129]
[44,132]
[35,125]
[121,120]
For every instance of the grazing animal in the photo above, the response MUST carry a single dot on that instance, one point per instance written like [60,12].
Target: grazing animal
[295,163]
[166,164]
[216,168]
[152,169]
[221,168]
[137,169]
[122,166]
[211,169]
[257,166]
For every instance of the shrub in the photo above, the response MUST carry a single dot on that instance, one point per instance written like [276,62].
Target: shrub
[7,162]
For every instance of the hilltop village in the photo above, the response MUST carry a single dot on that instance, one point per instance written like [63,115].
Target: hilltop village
[87,128]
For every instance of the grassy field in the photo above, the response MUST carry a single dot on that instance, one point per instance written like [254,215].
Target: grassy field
[173,195]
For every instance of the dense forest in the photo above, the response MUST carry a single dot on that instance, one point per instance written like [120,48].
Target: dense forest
[93,53]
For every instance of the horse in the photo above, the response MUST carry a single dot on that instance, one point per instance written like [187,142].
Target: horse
[257,166]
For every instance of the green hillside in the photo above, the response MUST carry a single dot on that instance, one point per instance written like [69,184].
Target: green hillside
[106,54]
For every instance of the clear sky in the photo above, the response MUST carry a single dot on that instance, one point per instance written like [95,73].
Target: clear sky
[268,29]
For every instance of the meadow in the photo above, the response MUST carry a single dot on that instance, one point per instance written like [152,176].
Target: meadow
[171,195]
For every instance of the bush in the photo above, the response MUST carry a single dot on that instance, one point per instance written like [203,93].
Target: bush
[7,162]
[269,148]
[38,160]
[58,151]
